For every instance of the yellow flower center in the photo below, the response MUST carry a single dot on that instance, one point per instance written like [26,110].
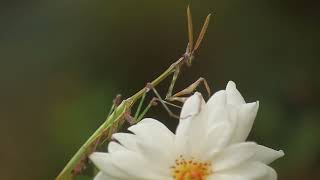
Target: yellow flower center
[190,169]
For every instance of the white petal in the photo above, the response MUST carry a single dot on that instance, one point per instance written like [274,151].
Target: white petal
[156,142]
[246,116]
[152,121]
[271,174]
[113,147]
[218,115]
[135,165]
[102,176]
[153,132]
[104,164]
[218,137]
[220,126]
[218,99]
[221,129]
[226,177]
[217,111]
[192,106]
[127,140]
[191,137]
[196,139]
[250,170]
[266,155]
[190,124]
[233,95]
[233,155]
[160,156]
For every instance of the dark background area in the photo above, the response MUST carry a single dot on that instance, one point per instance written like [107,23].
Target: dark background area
[63,61]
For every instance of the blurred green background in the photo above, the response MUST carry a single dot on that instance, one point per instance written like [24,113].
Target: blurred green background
[63,61]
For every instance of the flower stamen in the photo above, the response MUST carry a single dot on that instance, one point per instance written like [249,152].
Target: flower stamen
[190,169]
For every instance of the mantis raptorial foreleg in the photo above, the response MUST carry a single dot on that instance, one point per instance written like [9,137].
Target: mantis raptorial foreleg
[190,89]
[179,96]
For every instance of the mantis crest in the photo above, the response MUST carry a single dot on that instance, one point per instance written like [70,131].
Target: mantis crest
[120,110]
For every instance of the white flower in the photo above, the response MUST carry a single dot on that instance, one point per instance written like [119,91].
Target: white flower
[209,143]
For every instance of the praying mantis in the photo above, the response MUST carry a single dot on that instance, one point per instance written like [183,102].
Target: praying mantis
[121,109]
